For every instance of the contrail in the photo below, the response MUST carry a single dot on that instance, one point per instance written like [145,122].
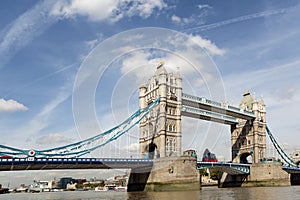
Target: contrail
[238,19]
[24,29]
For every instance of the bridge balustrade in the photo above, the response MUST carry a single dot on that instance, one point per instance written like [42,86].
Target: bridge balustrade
[208,114]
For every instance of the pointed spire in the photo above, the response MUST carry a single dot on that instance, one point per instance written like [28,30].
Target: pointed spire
[143,85]
[160,69]
[178,75]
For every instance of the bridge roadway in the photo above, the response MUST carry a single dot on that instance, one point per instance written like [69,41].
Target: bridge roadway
[229,113]
[230,168]
[30,163]
[291,170]
[142,165]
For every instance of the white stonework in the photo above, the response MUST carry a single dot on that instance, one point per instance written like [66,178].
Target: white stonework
[160,132]
[296,156]
[249,137]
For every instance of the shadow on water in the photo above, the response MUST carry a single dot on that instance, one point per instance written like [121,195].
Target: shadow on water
[174,195]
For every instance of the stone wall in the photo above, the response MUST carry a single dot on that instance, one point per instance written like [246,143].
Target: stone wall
[174,173]
[267,174]
[263,174]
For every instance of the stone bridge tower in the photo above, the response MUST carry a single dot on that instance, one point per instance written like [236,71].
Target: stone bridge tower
[248,137]
[160,131]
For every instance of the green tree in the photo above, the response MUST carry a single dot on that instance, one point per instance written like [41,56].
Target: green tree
[215,174]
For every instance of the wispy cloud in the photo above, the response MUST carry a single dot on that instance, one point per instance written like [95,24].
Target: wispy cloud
[24,29]
[237,20]
[40,121]
[107,10]
[11,105]
[53,138]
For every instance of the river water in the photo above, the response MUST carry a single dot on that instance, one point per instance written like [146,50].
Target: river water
[251,193]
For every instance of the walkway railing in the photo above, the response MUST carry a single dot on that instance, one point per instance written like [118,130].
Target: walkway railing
[211,115]
[226,108]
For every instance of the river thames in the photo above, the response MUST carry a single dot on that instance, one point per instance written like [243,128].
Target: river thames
[249,193]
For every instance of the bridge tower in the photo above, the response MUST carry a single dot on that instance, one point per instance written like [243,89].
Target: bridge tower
[248,137]
[160,132]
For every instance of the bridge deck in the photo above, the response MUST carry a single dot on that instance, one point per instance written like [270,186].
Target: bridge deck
[14,164]
[230,168]
[291,170]
[209,105]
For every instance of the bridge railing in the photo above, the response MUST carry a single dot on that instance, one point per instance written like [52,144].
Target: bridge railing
[31,159]
[215,104]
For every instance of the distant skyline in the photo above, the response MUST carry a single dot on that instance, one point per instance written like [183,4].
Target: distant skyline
[45,45]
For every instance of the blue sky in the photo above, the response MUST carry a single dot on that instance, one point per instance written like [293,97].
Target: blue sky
[46,47]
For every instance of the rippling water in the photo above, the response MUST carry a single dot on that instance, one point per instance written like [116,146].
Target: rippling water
[251,193]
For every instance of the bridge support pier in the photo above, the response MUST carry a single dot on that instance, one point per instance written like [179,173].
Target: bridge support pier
[262,174]
[138,179]
[230,180]
[295,179]
[267,174]
[174,173]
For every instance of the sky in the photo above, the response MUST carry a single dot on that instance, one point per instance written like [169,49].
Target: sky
[71,69]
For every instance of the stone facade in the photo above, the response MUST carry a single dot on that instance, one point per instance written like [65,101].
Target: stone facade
[261,175]
[248,137]
[267,174]
[160,131]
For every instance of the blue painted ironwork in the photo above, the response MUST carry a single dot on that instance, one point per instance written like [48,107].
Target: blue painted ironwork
[232,168]
[291,170]
[85,146]
[31,163]
[280,151]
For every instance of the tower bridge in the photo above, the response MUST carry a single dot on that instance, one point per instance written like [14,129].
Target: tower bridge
[162,104]
[160,134]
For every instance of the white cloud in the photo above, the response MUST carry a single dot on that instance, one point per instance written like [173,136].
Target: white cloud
[95,10]
[207,44]
[176,19]
[53,138]
[186,53]
[110,10]
[204,6]
[92,43]
[11,106]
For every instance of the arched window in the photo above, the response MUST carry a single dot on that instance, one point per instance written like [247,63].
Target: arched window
[167,145]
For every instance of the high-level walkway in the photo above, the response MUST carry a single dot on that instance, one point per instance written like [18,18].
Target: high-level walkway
[202,108]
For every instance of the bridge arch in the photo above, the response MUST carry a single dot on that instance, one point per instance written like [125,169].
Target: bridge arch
[246,158]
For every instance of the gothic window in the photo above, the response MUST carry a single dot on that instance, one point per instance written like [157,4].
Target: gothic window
[174,144]
[167,144]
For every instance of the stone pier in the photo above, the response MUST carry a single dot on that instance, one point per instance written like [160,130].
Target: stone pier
[261,174]
[174,173]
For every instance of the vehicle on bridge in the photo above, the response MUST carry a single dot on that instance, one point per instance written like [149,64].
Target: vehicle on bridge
[209,157]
